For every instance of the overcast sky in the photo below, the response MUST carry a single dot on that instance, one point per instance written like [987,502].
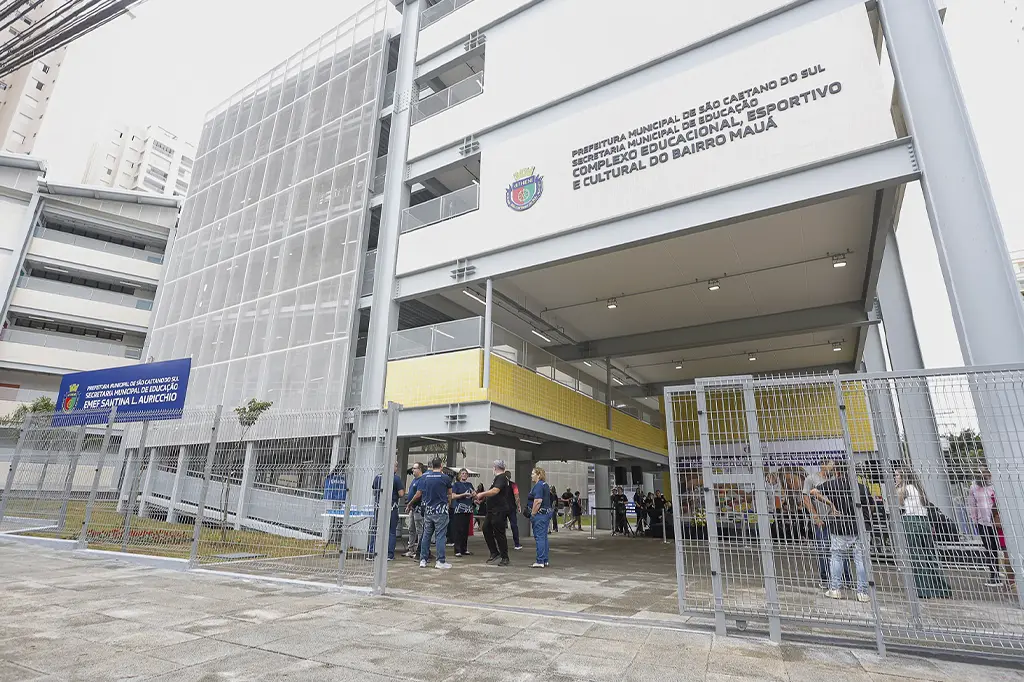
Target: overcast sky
[179,58]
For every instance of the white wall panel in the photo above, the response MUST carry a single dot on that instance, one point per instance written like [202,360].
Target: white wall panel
[853,115]
[109,263]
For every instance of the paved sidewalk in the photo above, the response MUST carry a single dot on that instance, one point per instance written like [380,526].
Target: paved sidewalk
[67,616]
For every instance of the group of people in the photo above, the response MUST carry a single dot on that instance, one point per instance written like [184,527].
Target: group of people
[650,510]
[438,507]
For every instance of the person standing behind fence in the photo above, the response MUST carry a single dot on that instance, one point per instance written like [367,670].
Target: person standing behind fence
[818,511]
[554,510]
[513,512]
[981,504]
[414,512]
[841,521]
[539,515]
[496,500]
[577,511]
[436,487]
[396,492]
[640,507]
[924,559]
[462,496]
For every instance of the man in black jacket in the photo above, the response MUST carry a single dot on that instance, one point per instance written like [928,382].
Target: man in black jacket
[841,522]
[497,499]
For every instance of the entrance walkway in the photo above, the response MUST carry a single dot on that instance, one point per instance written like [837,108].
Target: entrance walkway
[67,616]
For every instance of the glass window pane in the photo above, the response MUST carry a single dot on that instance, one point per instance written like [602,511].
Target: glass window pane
[315,389]
[298,119]
[294,378]
[238,270]
[300,207]
[321,198]
[307,159]
[261,326]
[268,282]
[227,335]
[328,157]
[280,135]
[335,98]
[356,83]
[312,253]
[317,105]
[291,258]
[273,378]
[254,274]
[326,309]
[281,326]
[302,320]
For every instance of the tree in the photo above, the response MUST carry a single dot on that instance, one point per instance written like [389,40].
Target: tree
[41,405]
[966,455]
[248,414]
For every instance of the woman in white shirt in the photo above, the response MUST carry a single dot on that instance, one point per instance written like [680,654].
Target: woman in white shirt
[924,559]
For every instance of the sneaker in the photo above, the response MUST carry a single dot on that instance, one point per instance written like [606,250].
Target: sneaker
[443,565]
[458,554]
[494,557]
[518,547]
[370,557]
[409,555]
[538,565]
[834,594]
[504,562]
[467,554]
[992,582]
[823,584]
[423,564]
[450,544]
[861,597]
[546,565]
[391,558]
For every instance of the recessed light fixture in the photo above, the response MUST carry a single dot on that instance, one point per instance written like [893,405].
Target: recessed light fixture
[836,347]
[473,296]
[751,357]
[537,333]
[61,270]
[531,442]
[616,380]
[587,363]
[612,304]
[679,365]
[839,260]
[714,285]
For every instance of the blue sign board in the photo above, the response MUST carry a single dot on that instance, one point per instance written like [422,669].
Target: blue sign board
[155,390]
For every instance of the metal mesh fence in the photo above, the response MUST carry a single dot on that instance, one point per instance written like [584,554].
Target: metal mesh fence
[884,504]
[285,495]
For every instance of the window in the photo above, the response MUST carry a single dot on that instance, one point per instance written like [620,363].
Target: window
[110,172]
[13,31]
[67,329]
[40,85]
[46,68]
[27,20]
[163,148]
[83,282]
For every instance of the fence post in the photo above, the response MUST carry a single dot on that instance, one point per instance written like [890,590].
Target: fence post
[349,471]
[26,426]
[865,541]
[676,497]
[764,530]
[211,452]
[83,536]
[69,480]
[710,502]
[387,441]
[134,489]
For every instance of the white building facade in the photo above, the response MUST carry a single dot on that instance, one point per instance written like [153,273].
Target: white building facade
[79,271]
[25,94]
[141,159]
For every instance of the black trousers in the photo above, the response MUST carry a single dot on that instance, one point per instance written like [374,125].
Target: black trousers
[990,540]
[494,534]
[460,531]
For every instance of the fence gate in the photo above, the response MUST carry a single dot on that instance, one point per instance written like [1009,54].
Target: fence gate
[857,557]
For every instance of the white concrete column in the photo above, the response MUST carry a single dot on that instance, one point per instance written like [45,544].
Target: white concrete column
[603,492]
[649,483]
[245,489]
[179,481]
[915,402]
[147,483]
[524,468]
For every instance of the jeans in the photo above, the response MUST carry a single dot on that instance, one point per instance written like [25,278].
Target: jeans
[540,535]
[822,545]
[434,523]
[392,534]
[513,521]
[841,546]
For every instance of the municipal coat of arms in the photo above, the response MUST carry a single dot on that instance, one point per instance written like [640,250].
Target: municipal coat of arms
[70,399]
[525,190]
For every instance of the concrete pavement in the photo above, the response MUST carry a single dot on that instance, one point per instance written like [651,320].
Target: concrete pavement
[69,616]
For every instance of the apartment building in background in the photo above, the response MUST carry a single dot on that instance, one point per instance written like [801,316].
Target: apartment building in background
[25,94]
[141,159]
[79,271]
[1017,257]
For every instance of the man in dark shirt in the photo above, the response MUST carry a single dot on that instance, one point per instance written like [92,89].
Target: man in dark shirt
[497,514]
[396,492]
[842,525]
[436,487]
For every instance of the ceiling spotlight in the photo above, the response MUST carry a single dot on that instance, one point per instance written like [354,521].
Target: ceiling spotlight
[751,357]
[836,347]
[537,333]
[714,285]
[839,260]
[612,304]
[587,363]
[679,365]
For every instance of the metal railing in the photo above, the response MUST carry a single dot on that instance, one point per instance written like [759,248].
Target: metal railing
[290,496]
[442,208]
[369,270]
[831,503]
[88,293]
[457,93]
[99,245]
[437,338]
[435,13]
[46,340]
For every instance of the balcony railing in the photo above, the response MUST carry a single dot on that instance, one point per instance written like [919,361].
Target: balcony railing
[99,245]
[442,9]
[369,270]
[468,333]
[380,168]
[442,208]
[42,339]
[448,98]
[77,291]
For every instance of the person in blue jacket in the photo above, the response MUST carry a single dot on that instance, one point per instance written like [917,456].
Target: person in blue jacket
[396,492]
[540,514]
